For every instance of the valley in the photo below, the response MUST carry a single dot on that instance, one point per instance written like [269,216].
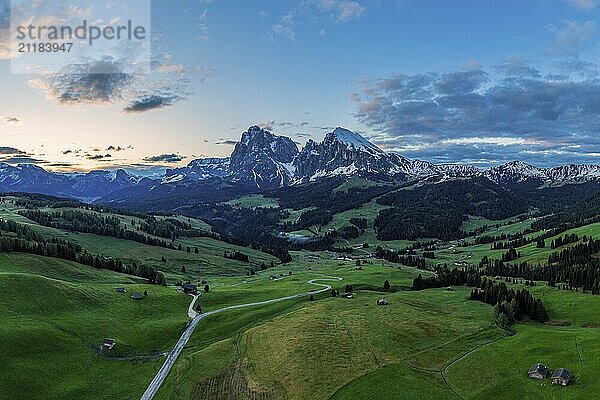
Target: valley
[406,318]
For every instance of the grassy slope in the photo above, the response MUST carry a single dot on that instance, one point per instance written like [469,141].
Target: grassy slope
[529,253]
[254,201]
[311,349]
[314,352]
[208,262]
[51,328]
[426,344]
[571,345]
[396,381]
[475,222]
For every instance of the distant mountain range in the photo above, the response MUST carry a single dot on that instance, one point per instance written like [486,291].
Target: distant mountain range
[263,161]
[272,161]
[86,187]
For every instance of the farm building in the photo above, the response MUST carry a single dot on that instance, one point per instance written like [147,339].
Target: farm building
[108,343]
[538,371]
[561,376]
[121,290]
[190,289]
[347,295]
[136,296]
[382,302]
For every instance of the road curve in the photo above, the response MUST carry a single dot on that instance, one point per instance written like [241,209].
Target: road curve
[174,354]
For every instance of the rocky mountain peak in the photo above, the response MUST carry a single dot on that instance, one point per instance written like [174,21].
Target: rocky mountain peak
[352,141]
[263,158]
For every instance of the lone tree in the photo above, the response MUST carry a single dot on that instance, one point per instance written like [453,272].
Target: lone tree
[386,285]
[206,288]
[183,269]
[334,292]
[311,298]
[145,293]
[348,289]
[160,279]
[198,308]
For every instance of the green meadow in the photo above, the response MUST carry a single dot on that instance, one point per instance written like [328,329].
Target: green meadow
[55,315]
[432,344]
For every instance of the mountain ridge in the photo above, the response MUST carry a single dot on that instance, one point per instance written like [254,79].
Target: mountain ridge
[264,161]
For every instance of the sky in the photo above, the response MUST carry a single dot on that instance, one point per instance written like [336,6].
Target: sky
[478,82]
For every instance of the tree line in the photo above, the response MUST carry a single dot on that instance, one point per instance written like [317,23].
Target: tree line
[448,277]
[32,243]
[87,222]
[401,257]
[509,305]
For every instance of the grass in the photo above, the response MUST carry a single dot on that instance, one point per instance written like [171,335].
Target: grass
[209,260]
[254,201]
[474,222]
[368,211]
[424,345]
[396,381]
[54,316]
[311,349]
[530,253]
[337,341]
[354,182]
[294,215]
[502,366]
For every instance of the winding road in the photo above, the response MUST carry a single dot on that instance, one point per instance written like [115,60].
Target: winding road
[174,354]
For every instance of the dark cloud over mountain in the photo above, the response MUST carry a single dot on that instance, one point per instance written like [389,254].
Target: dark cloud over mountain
[464,115]
[166,158]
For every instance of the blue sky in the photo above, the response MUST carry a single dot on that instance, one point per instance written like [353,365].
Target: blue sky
[480,82]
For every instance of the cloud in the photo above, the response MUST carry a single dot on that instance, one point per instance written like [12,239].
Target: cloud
[151,102]
[285,26]
[461,115]
[227,142]
[578,67]
[114,148]
[61,165]
[105,82]
[339,11]
[97,157]
[10,150]
[349,10]
[583,5]
[4,30]
[22,160]
[11,121]
[82,13]
[204,73]
[517,66]
[572,38]
[177,69]
[499,140]
[203,26]
[311,12]
[165,158]
[82,83]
